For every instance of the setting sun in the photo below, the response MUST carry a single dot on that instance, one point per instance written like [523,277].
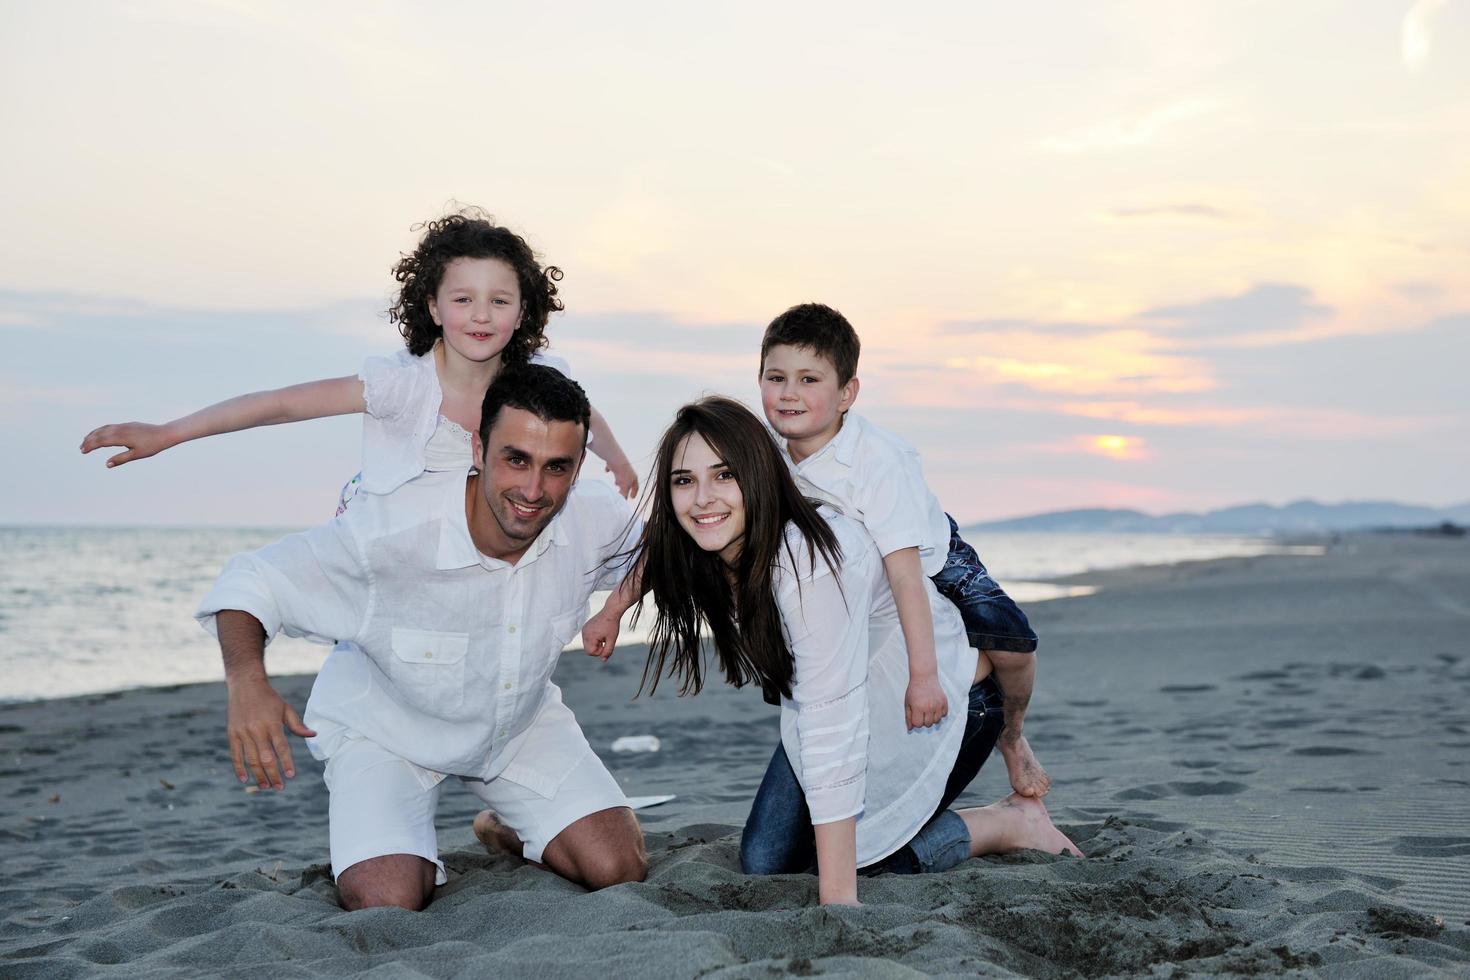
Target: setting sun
[1117,447]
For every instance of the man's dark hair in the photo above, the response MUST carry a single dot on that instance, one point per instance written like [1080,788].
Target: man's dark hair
[543,391]
[819,328]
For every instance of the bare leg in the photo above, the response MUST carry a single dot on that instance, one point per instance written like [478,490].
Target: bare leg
[600,850]
[1016,674]
[1016,823]
[402,880]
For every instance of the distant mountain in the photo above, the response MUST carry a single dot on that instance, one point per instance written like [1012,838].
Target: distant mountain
[1301,517]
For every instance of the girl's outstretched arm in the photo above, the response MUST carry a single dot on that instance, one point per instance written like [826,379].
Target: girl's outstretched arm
[313,400]
[605,446]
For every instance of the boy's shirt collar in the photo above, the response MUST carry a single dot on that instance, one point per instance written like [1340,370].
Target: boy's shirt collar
[842,447]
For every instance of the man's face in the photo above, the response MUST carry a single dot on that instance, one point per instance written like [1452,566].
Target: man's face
[528,467]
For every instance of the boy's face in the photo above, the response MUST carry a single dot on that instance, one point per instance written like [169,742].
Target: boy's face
[801,397]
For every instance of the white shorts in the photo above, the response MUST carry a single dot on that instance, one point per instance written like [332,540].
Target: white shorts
[381,805]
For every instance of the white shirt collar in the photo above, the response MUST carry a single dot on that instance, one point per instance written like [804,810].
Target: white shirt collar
[456,547]
[842,447]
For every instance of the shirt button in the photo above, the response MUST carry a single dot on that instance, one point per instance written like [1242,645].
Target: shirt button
[428,654]
[512,629]
[508,685]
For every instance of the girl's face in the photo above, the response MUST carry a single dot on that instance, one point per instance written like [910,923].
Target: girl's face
[477,306]
[707,498]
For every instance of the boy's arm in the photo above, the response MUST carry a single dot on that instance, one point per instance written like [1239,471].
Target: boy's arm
[313,400]
[924,703]
[605,446]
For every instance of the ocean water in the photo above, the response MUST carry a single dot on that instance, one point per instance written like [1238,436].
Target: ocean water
[86,610]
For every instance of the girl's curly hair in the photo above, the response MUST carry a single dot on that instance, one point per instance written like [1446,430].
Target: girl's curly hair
[472,233]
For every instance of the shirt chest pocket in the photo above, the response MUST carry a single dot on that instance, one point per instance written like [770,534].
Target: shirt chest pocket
[428,669]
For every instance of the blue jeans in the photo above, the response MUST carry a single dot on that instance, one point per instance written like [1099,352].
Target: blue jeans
[778,837]
[993,621]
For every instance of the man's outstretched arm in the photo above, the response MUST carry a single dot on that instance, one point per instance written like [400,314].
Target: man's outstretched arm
[256,713]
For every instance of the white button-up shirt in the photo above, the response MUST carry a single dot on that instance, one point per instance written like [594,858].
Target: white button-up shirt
[843,726]
[875,477]
[447,653]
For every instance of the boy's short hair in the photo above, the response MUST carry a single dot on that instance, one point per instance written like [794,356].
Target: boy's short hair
[819,328]
[543,391]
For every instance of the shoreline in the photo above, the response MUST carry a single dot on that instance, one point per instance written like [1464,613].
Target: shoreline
[1264,759]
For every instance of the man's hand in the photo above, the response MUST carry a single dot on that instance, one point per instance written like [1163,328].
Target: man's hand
[140,439]
[1027,776]
[624,476]
[600,635]
[256,716]
[924,703]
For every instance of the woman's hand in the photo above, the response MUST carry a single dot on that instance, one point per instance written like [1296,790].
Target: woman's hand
[140,439]
[837,861]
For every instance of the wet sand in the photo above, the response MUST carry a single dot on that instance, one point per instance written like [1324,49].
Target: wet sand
[1265,760]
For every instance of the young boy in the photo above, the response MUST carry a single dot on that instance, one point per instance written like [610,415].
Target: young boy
[809,382]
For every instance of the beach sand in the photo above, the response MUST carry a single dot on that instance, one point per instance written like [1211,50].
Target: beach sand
[1265,760]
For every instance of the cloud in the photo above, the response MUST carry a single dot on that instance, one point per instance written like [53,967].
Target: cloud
[1417,33]
[1126,133]
[1172,211]
[1008,325]
[1268,307]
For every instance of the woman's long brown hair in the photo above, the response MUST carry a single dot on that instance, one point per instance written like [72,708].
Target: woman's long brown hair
[689,584]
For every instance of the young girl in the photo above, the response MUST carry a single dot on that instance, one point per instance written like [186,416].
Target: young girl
[472,299]
[796,600]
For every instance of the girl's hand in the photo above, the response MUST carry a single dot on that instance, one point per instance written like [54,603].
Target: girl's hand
[600,635]
[139,438]
[924,703]
[625,477]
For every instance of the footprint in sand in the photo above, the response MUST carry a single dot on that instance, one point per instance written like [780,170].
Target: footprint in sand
[1159,791]
[1433,846]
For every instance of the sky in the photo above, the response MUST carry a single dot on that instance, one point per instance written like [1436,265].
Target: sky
[1115,254]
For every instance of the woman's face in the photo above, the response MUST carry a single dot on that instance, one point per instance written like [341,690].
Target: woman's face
[707,499]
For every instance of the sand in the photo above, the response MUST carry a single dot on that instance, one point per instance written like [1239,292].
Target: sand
[1264,759]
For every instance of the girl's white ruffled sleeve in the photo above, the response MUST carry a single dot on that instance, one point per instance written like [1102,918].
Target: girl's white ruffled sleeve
[389,384]
[402,396]
[826,621]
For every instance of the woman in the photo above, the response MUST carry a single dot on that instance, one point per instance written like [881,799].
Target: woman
[796,601]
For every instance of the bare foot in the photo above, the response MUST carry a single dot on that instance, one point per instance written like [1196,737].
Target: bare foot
[1027,776]
[495,835]
[1034,831]
[1016,823]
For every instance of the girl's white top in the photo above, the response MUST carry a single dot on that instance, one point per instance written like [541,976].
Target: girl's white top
[403,398]
[843,727]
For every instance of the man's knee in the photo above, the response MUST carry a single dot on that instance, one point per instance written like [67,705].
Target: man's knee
[606,870]
[410,897]
[387,883]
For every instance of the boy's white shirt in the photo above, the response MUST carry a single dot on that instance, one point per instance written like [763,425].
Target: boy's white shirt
[403,398]
[877,479]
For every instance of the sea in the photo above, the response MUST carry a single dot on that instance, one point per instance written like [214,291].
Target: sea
[86,610]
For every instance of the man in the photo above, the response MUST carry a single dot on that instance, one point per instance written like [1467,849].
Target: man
[453,597]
